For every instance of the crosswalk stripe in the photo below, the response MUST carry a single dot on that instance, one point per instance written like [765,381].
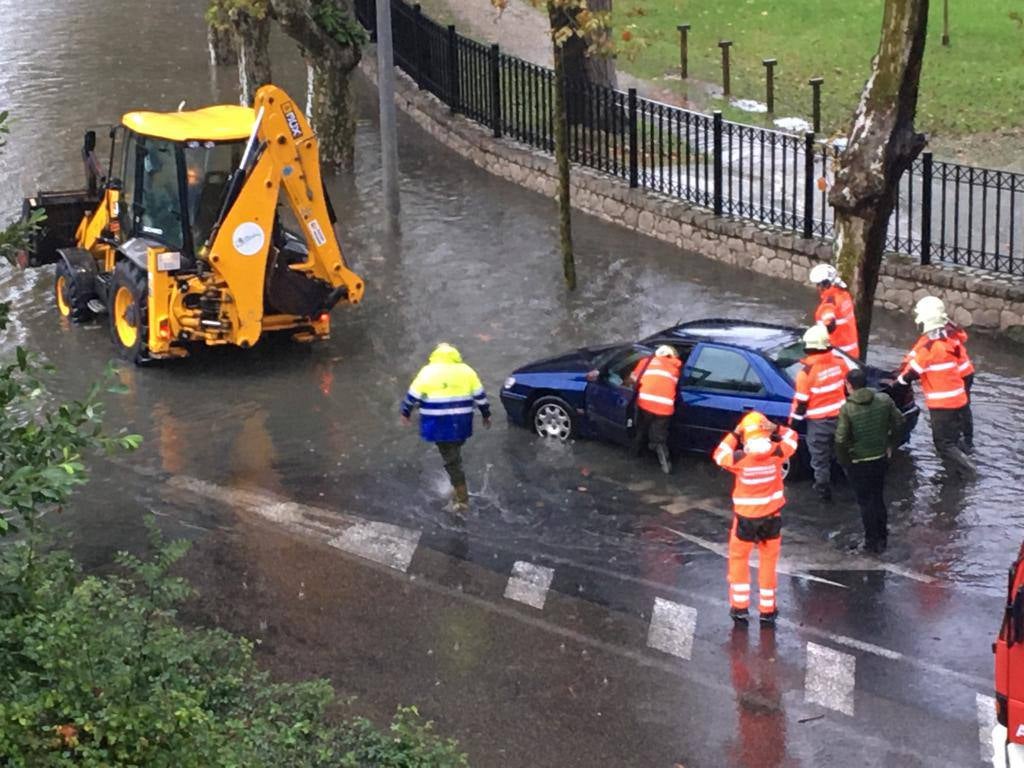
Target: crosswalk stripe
[529,583]
[986,706]
[830,678]
[383,543]
[672,628]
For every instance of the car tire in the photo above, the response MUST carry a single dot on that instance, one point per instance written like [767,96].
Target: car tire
[552,417]
[796,467]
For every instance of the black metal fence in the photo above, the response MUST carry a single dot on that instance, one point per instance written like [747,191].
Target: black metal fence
[946,212]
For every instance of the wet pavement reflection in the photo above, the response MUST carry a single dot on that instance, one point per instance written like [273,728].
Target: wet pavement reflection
[476,264]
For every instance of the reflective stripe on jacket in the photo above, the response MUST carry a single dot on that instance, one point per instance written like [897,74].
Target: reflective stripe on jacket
[446,390]
[758,489]
[820,386]
[937,360]
[835,312]
[658,385]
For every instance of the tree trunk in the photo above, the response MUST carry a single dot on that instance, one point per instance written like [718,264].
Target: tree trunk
[562,159]
[331,101]
[222,46]
[333,113]
[253,43]
[582,70]
[882,146]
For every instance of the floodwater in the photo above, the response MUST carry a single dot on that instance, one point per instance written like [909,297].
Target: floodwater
[476,264]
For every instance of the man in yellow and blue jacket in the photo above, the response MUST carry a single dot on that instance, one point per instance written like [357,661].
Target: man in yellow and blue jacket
[446,391]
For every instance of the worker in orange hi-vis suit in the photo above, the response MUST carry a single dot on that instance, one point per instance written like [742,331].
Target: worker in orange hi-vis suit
[757,499]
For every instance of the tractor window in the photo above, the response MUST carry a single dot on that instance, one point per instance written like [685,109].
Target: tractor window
[159,209]
[208,166]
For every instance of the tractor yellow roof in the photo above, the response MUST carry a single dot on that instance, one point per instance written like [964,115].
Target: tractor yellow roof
[224,122]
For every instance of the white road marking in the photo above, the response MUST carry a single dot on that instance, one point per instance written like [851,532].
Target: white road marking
[383,543]
[672,628]
[311,521]
[986,706]
[529,583]
[830,678]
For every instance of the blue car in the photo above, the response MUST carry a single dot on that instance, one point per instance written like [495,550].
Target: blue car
[729,367]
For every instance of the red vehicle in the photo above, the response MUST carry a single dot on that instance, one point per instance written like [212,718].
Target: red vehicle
[1008,735]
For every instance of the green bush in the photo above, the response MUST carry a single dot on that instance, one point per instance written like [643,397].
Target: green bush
[97,672]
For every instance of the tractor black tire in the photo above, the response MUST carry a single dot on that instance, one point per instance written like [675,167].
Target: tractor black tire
[128,308]
[68,296]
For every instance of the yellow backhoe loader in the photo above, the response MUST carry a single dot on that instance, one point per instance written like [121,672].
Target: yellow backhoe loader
[189,245]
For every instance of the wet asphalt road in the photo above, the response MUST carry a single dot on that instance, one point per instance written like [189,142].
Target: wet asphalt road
[476,264]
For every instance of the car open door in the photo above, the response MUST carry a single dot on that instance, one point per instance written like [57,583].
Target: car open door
[720,384]
[611,397]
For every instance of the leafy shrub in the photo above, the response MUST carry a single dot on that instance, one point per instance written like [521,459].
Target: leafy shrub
[97,672]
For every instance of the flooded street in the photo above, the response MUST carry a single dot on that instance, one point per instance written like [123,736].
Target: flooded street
[476,264]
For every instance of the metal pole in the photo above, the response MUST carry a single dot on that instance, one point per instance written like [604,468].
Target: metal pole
[717,189]
[945,23]
[386,97]
[683,50]
[927,175]
[634,158]
[816,102]
[769,73]
[724,45]
[809,184]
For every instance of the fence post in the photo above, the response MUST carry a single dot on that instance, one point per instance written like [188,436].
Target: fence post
[417,44]
[926,208]
[809,184]
[684,69]
[717,189]
[634,169]
[453,69]
[496,91]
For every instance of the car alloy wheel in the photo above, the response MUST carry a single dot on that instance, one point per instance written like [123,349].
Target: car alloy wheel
[553,419]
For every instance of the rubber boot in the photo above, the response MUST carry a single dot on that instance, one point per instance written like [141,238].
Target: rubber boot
[739,615]
[666,465]
[768,619]
[461,497]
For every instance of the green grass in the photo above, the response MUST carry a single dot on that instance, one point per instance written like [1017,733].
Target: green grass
[974,86]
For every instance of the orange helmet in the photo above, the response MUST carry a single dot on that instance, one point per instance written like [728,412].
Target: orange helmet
[755,424]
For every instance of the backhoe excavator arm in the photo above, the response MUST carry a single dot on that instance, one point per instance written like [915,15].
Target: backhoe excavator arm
[283,151]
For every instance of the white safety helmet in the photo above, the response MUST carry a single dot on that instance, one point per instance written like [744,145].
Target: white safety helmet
[933,322]
[816,338]
[666,351]
[823,273]
[927,308]
[758,446]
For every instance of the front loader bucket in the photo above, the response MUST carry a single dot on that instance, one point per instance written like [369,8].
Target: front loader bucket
[64,212]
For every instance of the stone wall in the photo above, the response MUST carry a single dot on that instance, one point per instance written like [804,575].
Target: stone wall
[975,298]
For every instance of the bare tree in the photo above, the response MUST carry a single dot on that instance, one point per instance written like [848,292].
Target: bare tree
[882,145]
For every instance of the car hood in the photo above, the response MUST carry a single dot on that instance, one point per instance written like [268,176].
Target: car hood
[579,361]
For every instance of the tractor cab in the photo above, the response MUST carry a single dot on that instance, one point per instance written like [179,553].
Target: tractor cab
[175,175]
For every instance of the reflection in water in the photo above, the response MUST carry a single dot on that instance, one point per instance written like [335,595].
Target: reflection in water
[476,262]
[760,740]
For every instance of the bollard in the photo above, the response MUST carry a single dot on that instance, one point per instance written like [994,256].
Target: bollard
[945,23]
[815,83]
[683,52]
[724,45]
[769,83]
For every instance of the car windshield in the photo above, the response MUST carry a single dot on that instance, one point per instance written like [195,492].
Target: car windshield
[787,357]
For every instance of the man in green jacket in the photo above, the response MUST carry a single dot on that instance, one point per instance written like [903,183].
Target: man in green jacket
[870,426]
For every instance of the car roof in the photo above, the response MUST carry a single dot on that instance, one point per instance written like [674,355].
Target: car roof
[225,122]
[740,333]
